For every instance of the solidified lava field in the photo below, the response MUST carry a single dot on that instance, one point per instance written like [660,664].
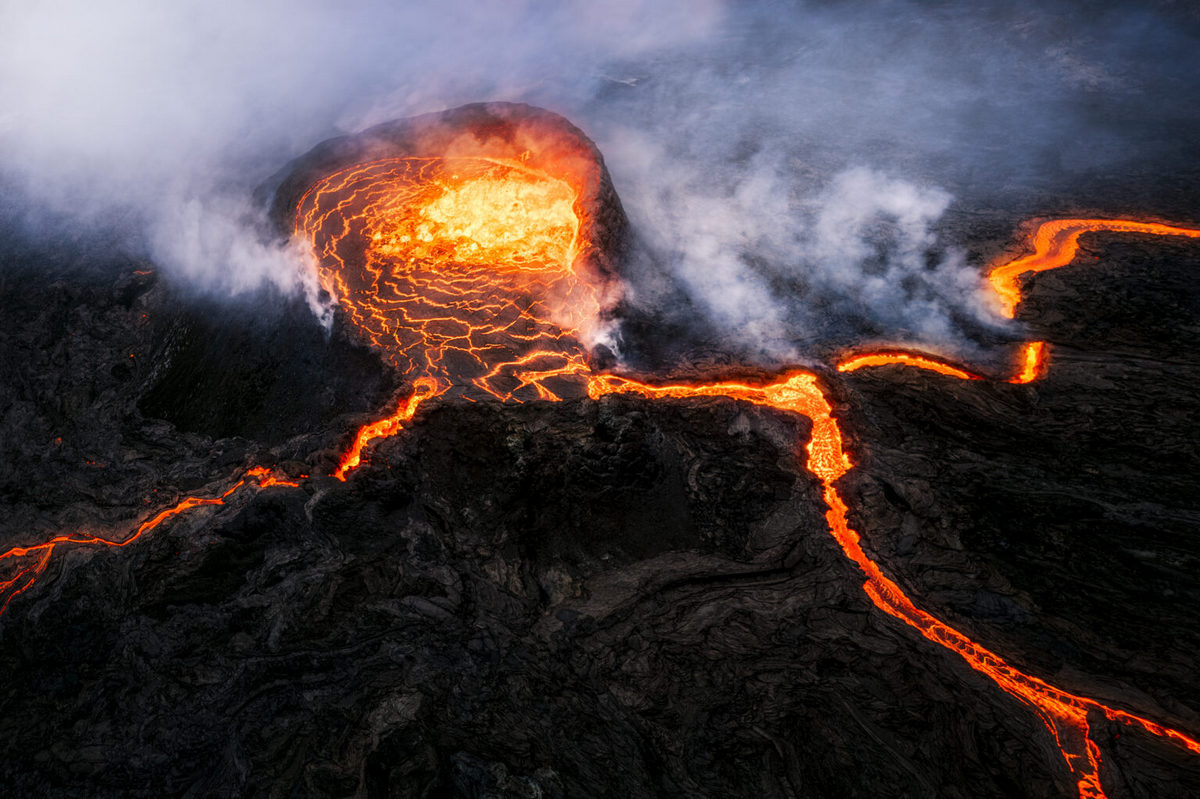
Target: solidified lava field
[542,576]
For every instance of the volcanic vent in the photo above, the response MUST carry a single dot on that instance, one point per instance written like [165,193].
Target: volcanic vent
[476,247]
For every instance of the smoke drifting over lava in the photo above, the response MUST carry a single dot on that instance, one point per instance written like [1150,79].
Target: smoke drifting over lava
[733,581]
[793,168]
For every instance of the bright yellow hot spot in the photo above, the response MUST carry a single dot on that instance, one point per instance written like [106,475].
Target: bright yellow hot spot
[503,218]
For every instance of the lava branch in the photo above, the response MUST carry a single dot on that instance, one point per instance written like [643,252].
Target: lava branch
[1056,243]
[1032,363]
[31,561]
[1065,714]
[903,358]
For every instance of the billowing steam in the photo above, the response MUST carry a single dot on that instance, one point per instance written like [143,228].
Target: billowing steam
[796,171]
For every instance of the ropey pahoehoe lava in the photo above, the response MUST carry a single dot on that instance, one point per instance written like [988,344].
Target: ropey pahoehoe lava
[477,252]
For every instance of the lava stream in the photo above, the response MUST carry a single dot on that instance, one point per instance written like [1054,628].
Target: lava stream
[33,560]
[1065,714]
[1032,363]
[900,358]
[1056,243]
[423,389]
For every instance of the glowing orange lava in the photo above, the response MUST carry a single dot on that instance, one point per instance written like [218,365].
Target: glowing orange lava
[388,426]
[31,561]
[465,273]
[1032,363]
[1056,243]
[462,271]
[857,362]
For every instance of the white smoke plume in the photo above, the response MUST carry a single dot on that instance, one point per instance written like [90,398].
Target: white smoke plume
[764,259]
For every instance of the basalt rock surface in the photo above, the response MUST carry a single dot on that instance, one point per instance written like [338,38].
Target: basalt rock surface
[619,597]
[587,598]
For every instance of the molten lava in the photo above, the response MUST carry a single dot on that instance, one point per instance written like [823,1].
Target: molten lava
[454,268]
[388,426]
[1056,243]
[1032,363]
[467,273]
[460,270]
[904,359]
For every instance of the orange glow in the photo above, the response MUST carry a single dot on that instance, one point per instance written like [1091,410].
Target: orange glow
[1056,243]
[1064,714]
[1033,361]
[462,271]
[857,362]
[506,217]
[269,477]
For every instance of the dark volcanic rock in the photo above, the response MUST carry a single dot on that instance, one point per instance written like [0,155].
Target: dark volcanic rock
[600,599]
[252,355]
[587,598]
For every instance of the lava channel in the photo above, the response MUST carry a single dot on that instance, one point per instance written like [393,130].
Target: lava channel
[1056,243]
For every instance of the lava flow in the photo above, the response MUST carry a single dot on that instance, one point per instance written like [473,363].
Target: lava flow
[469,272]
[465,272]
[401,305]
[1056,243]
[1032,363]
[899,358]
[31,561]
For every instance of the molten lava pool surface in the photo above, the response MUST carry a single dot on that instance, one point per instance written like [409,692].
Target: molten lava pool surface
[459,269]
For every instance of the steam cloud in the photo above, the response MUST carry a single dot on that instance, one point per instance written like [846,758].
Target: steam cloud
[796,171]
